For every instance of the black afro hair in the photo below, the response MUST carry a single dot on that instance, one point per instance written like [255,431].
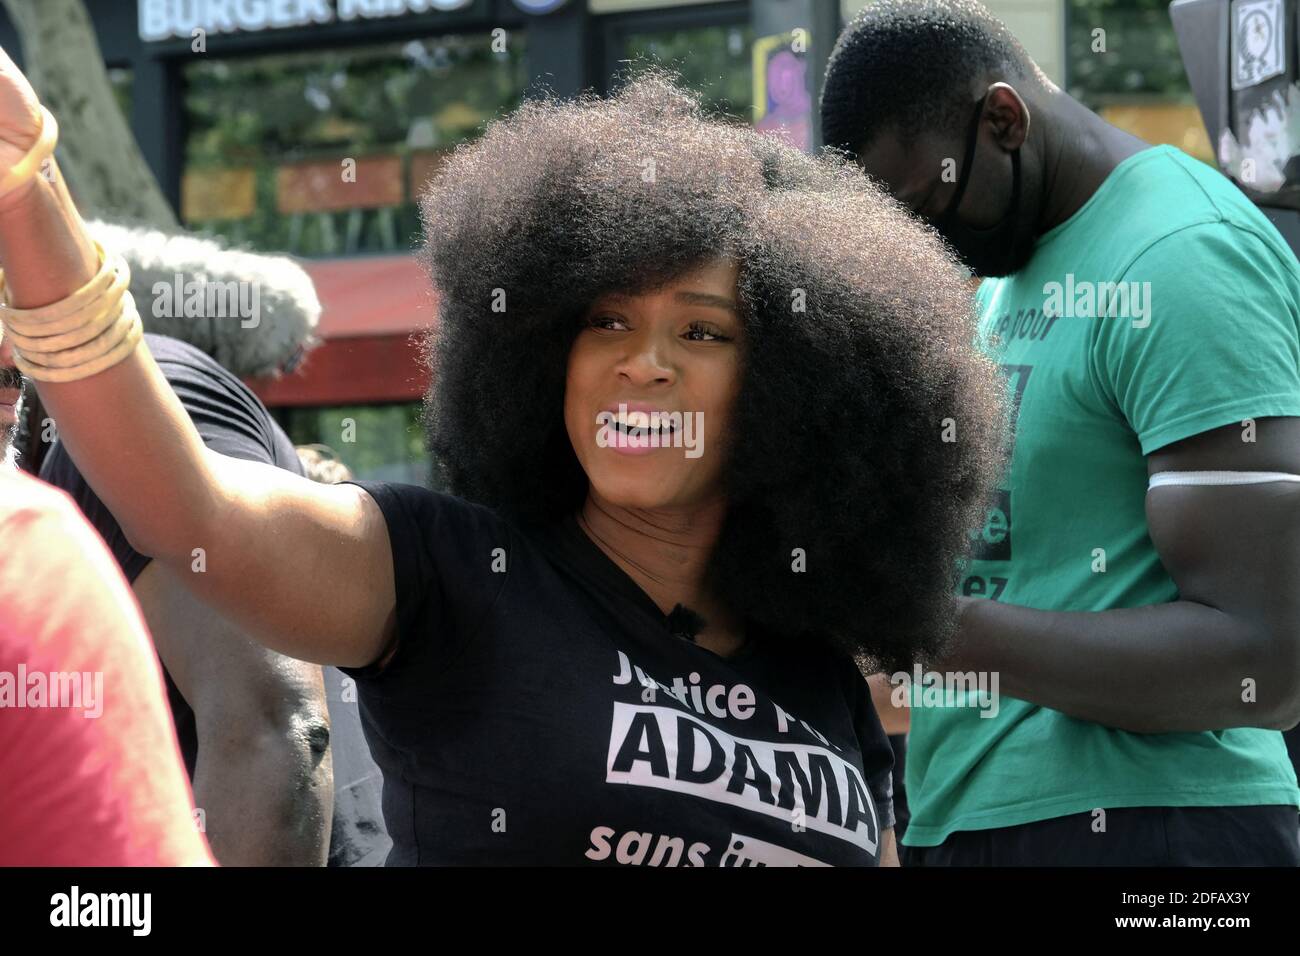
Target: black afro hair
[867,430]
[907,66]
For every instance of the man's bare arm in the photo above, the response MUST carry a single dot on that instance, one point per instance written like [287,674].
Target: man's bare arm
[888,849]
[894,719]
[1225,654]
[263,774]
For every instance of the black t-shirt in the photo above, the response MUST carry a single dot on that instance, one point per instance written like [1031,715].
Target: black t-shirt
[234,422]
[538,709]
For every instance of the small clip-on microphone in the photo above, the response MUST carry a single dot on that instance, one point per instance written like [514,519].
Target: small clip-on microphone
[685,623]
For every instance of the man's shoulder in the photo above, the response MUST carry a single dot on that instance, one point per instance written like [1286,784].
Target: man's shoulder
[174,349]
[186,367]
[1186,208]
[175,357]
[230,417]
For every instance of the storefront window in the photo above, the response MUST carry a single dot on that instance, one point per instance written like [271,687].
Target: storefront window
[324,152]
[714,61]
[376,442]
[1124,64]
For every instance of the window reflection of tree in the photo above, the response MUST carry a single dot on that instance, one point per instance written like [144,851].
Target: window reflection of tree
[715,61]
[1123,62]
[401,99]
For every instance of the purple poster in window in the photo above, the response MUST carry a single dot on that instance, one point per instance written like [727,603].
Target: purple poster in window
[782,105]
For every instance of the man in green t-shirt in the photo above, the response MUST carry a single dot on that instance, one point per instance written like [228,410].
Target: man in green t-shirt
[1134,593]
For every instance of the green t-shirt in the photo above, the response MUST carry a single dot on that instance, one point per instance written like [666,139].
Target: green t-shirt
[1205,334]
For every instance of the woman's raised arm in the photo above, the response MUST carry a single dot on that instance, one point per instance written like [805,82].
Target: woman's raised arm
[304,567]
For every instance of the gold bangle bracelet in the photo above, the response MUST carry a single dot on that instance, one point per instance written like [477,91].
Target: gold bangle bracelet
[30,164]
[106,361]
[87,314]
[59,316]
[108,312]
[111,330]
[113,355]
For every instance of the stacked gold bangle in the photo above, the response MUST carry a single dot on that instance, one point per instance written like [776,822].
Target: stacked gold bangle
[90,330]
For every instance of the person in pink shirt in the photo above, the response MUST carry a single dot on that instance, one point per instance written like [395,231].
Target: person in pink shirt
[90,770]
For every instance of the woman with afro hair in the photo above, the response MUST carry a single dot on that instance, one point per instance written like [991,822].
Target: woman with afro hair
[716,433]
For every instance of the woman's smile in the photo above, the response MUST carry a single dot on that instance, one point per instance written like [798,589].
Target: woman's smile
[639,428]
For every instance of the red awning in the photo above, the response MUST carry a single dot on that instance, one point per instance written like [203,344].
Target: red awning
[374,310]
[376,295]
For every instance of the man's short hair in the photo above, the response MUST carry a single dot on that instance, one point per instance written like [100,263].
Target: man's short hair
[907,65]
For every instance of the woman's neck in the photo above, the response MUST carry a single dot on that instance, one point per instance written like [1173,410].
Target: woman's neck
[666,553]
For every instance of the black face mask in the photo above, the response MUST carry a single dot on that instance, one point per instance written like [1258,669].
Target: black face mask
[991,251]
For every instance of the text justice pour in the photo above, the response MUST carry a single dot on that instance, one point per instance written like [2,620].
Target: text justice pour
[715,700]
